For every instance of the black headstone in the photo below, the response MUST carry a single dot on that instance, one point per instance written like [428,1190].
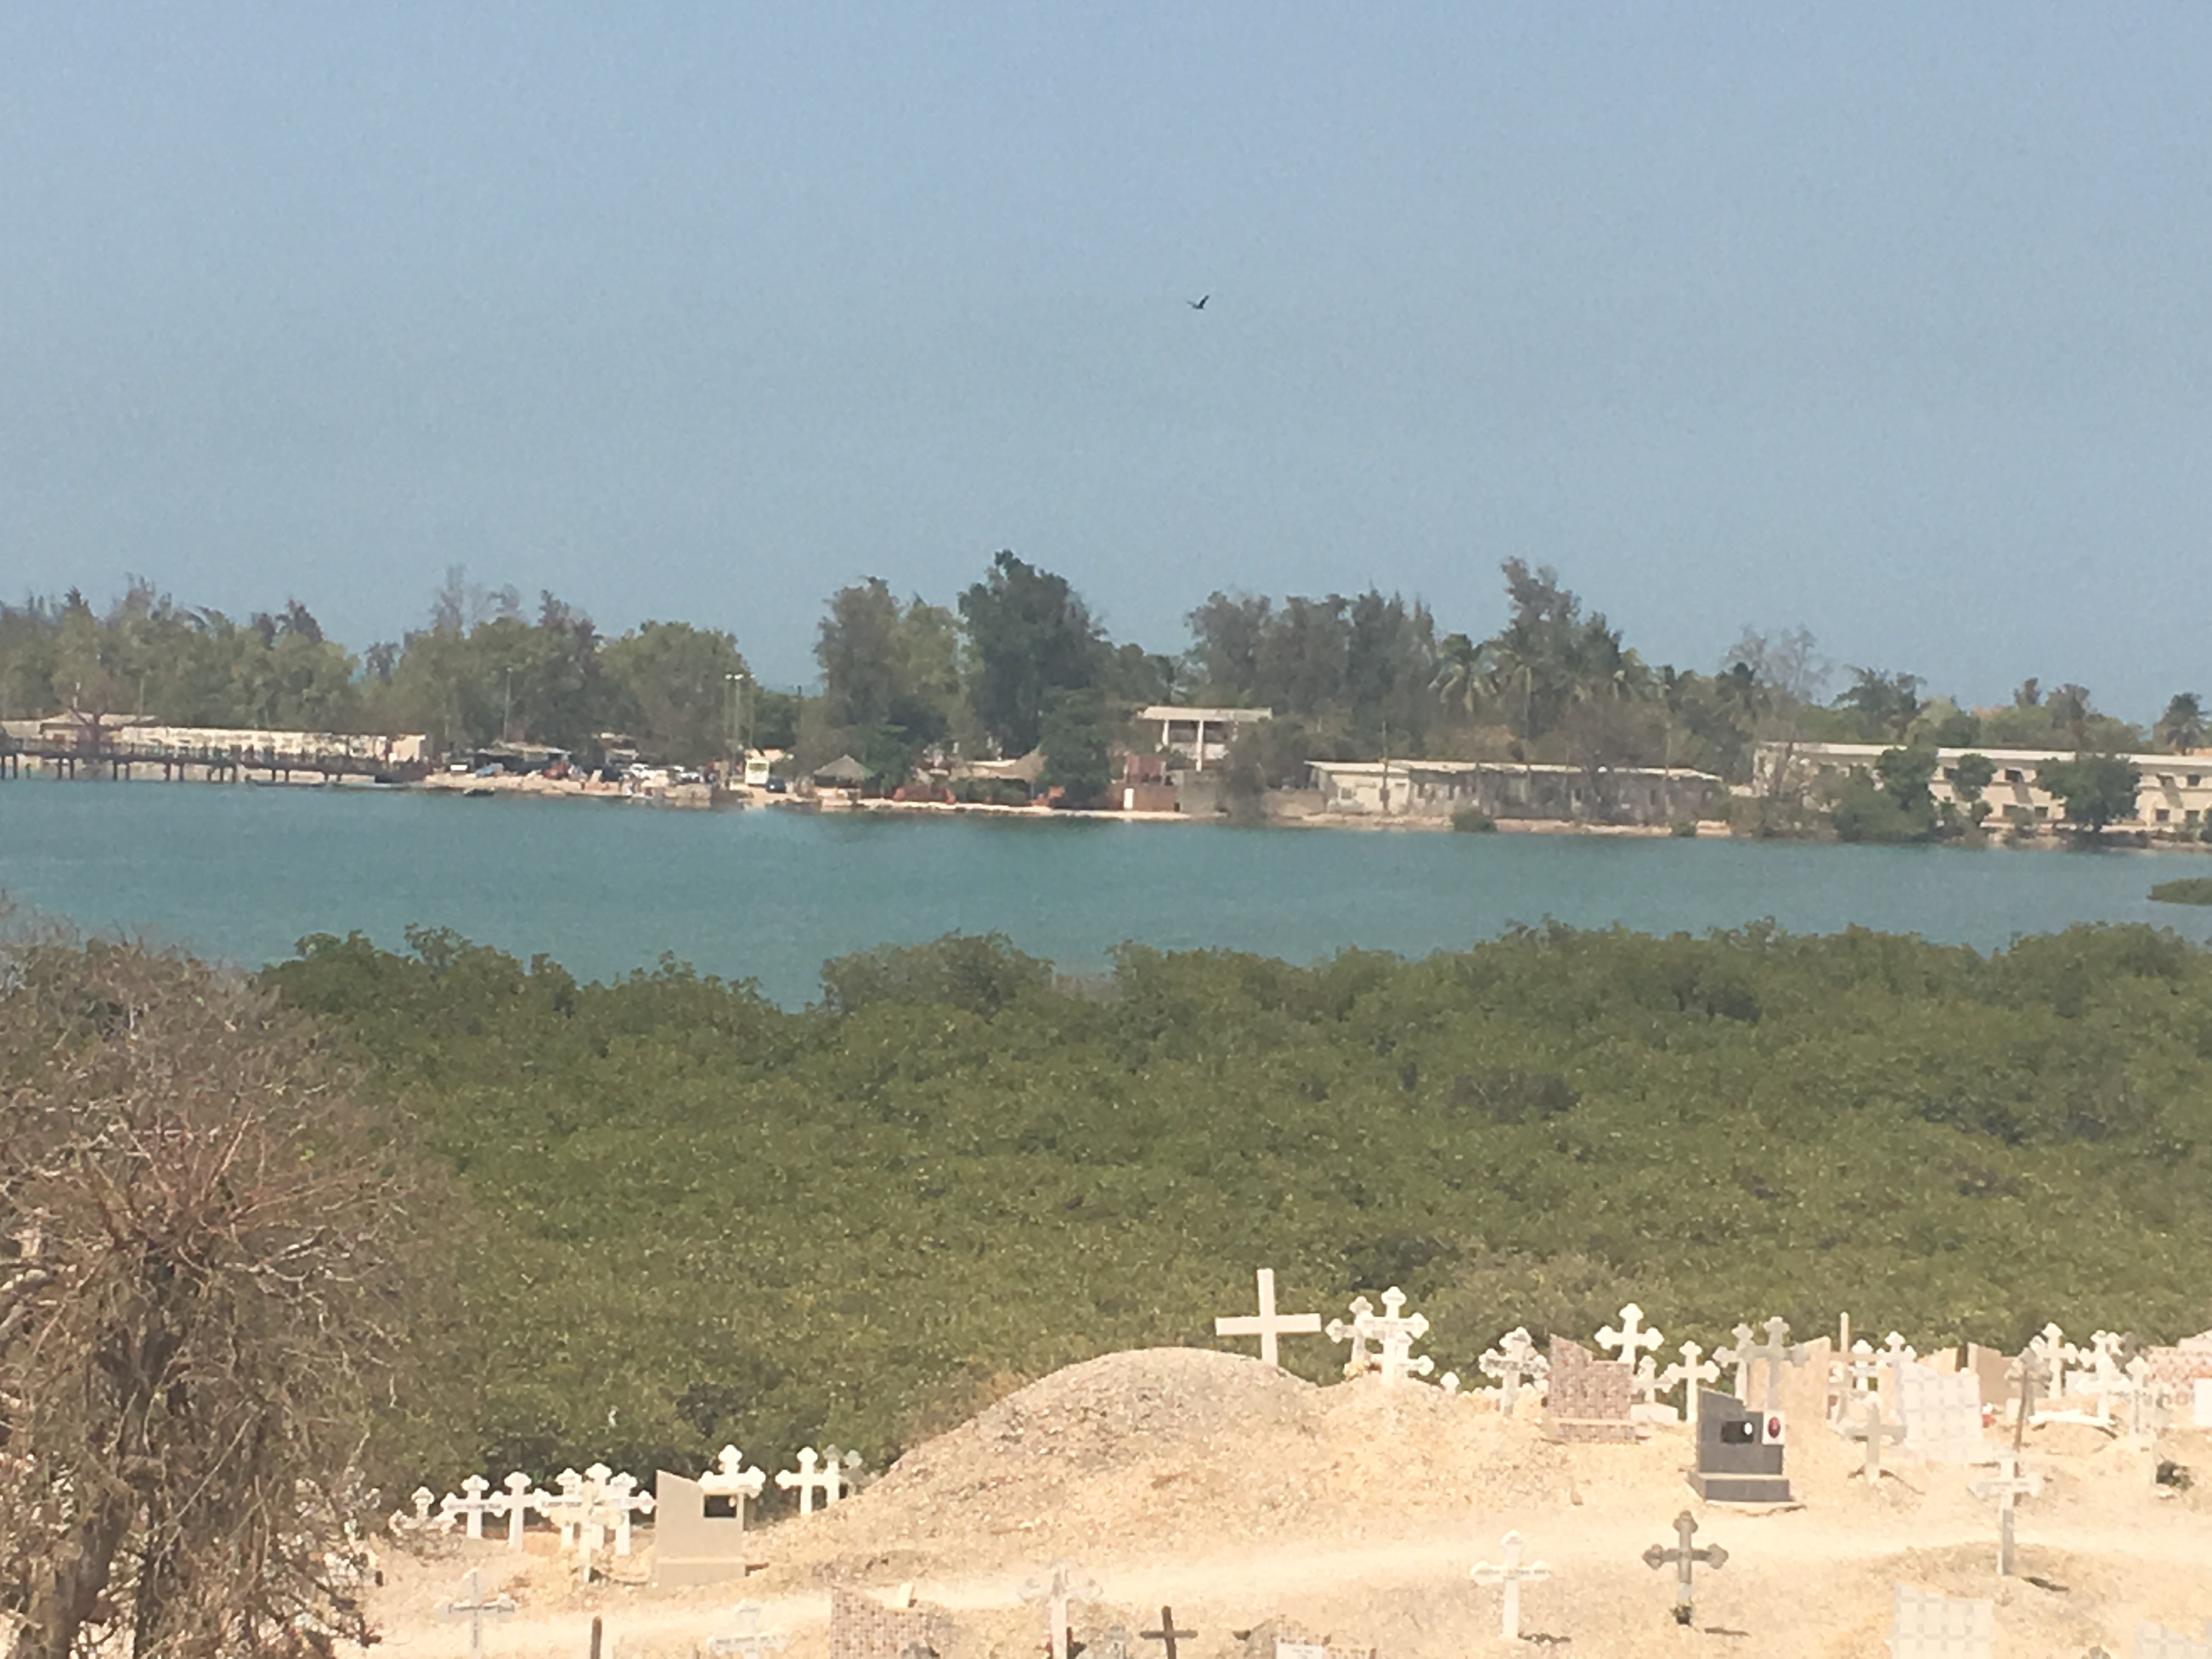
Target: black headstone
[1738,1453]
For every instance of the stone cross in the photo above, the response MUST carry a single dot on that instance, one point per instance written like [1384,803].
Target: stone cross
[2108,1379]
[1874,1431]
[1509,1577]
[1514,1358]
[565,1506]
[2051,1347]
[730,1479]
[622,1498]
[1066,1585]
[818,1474]
[1775,1352]
[1629,1338]
[1894,1348]
[749,1640]
[1397,1331]
[2012,1482]
[475,1609]
[422,1522]
[1268,1324]
[1861,1370]
[1738,1357]
[1167,1635]
[1692,1371]
[2031,1372]
[1645,1382]
[473,1508]
[1685,1558]
[516,1504]
[1357,1332]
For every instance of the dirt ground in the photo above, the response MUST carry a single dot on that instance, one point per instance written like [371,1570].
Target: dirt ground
[1237,1494]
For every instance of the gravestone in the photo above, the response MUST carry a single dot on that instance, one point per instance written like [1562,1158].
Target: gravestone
[2012,1481]
[1112,1643]
[1393,1332]
[1690,1373]
[475,1606]
[690,1547]
[1991,1369]
[2057,1355]
[1588,1400]
[1851,1375]
[1687,1558]
[1870,1428]
[1631,1338]
[731,1482]
[748,1640]
[1167,1635]
[624,1500]
[818,1474]
[1514,1358]
[861,1627]
[1269,1325]
[472,1507]
[1926,1624]
[1357,1333]
[421,1523]
[1509,1575]
[1943,1415]
[2177,1372]
[520,1498]
[1739,1453]
[2155,1641]
[1062,1585]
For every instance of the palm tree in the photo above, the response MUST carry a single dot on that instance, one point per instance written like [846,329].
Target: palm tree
[1460,665]
[2181,728]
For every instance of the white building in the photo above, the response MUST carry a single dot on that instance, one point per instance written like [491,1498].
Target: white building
[2174,796]
[1202,736]
[1512,789]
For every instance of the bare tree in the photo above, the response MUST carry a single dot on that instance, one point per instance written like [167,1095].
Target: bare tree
[206,1289]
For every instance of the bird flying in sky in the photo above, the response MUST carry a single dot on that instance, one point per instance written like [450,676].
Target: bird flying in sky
[1198,304]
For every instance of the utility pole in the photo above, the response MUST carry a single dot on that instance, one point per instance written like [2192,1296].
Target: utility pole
[506,714]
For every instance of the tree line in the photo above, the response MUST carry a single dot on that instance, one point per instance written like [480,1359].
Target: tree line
[1017,663]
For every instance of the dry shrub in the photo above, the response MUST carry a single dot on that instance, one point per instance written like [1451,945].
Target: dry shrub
[204,1291]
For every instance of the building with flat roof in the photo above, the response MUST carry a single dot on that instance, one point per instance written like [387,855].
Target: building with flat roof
[2173,797]
[1510,789]
[1200,736]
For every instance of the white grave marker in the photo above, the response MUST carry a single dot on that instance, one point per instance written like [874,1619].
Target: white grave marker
[749,1641]
[1692,1373]
[1267,1325]
[815,1473]
[1930,1624]
[1871,1429]
[2012,1482]
[475,1609]
[1508,1576]
[731,1479]
[518,1500]
[473,1507]
[624,1499]
[1941,1412]
[1515,1357]
[421,1523]
[1356,1334]
[1066,1585]
[1396,1331]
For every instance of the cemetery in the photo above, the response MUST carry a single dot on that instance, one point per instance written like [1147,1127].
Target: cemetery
[1825,1495]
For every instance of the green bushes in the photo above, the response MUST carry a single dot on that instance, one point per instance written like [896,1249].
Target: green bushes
[726,1221]
[2189,890]
[1475,821]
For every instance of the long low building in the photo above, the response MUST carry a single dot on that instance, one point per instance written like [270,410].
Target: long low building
[2173,797]
[1509,789]
[122,738]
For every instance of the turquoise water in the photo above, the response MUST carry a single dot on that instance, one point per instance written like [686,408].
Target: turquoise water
[242,872]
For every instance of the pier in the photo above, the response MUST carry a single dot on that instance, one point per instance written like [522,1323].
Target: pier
[182,754]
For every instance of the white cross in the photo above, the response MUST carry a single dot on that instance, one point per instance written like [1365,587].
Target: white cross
[1894,1348]
[565,1506]
[473,1508]
[1739,1358]
[2012,1482]
[1509,1577]
[1872,1430]
[1337,1331]
[1269,1325]
[623,1498]
[2051,1347]
[421,1520]
[1065,1585]
[730,1479]
[1397,1331]
[1629,1338]
[516,1505]
[815,1474]
[1693,1376]
[1514,1358]
[2109,1380]
[1777,1351]
[474,1608]
[751,1641]
[1645,1382]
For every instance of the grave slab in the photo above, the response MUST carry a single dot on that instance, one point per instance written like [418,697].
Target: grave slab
[1738,1453]
[1925,1623]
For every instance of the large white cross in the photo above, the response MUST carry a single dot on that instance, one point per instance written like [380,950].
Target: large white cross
[731,1479]
[1872,1430]
[1739,1358]
[1630,1339]
[1775,1352]
[475,1609]
[2012,1482]
[1357,1333]
[1065,1585]
[751,1641]
[1509,1577]
[1693,1376]
[516,1504]
[1267,1324]
[473,1507]
[1514,1358]
[2051,1347]
[623,1498]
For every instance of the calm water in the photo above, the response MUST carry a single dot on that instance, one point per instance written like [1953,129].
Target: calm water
[242,872]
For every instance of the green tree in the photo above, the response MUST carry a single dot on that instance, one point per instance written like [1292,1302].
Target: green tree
[2181,728]
[2096,789]
[1030,637]
[1461,663]
[1972,776]
[1073,739]
[1906,773]
[672,689]
[1885,704]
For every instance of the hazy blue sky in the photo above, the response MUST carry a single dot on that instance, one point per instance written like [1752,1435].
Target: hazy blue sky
[1895,320]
